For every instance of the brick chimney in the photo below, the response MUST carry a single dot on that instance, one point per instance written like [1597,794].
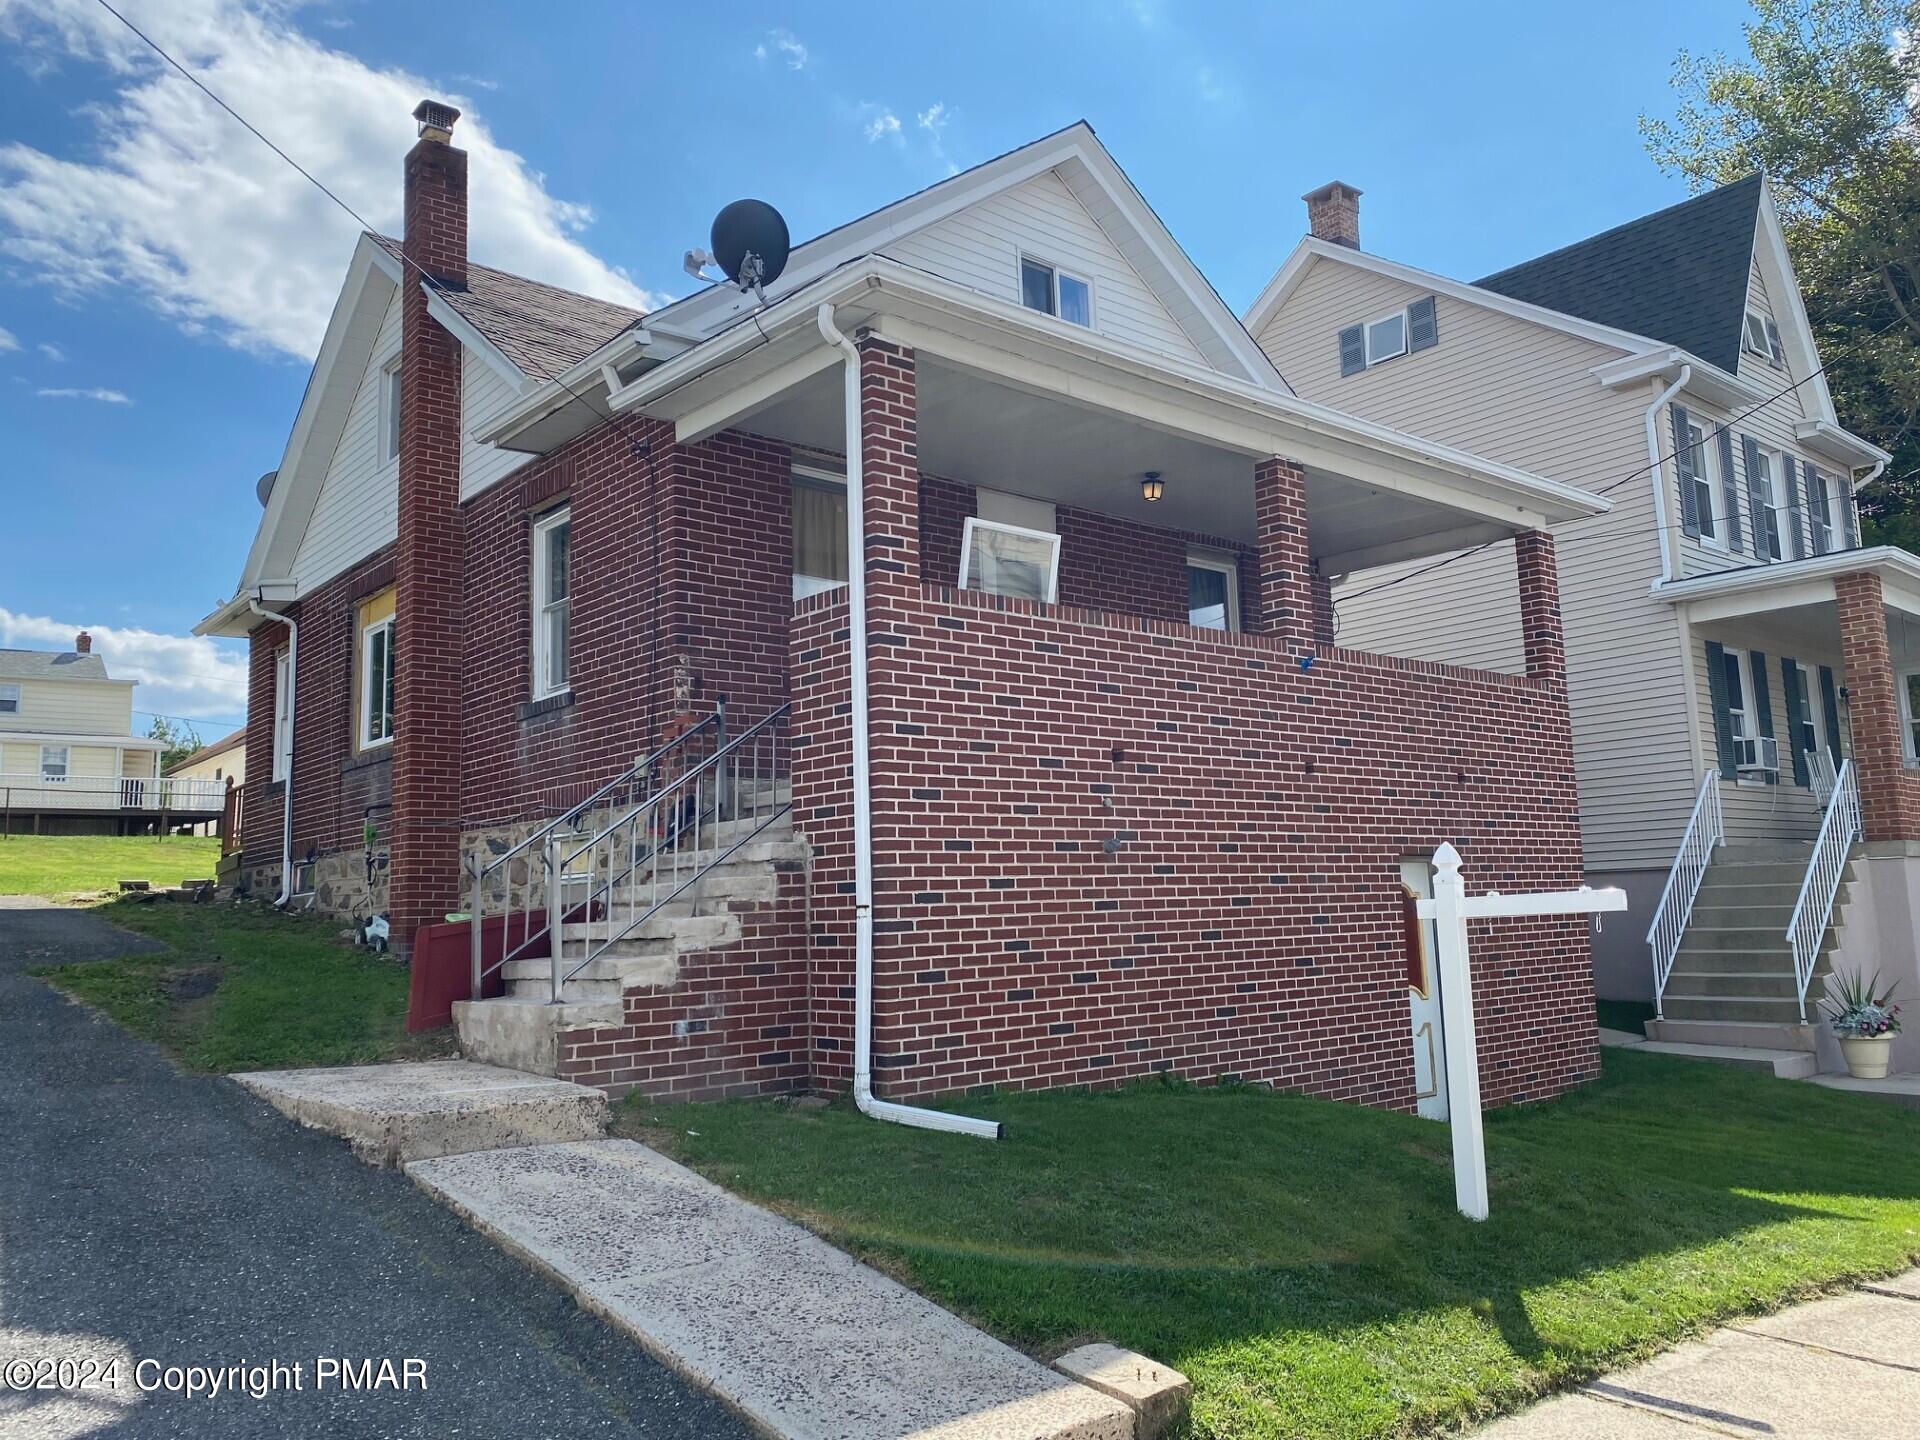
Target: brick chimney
[424,846]
[1333,213]
[83,643]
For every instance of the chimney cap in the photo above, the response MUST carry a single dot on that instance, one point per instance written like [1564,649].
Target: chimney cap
[1328,191]
[436,119]
[83,643]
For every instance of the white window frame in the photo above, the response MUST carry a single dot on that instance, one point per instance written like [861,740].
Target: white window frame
[282,729]
[1706,487]
[9,699]
[1225,565]
[1753,336]
[49,775]
[1779,509]
[1816,708]
[1743,722]
[1054,272]
[390,412]
[543,608]
[811,475]
[975,524]
[1910,742]
[368,740]
[1366,336]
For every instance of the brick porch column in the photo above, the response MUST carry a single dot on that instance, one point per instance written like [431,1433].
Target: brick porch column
[890,460]
[1325,631]
[1545,642]
[1874,704]
[1286,576]
[424,848]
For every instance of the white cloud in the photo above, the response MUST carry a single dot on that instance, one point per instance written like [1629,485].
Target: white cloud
[934,120]
[51,351]
[184,675]
[7,342]
[783,44]
[74,392]
[884,126]
[176,202]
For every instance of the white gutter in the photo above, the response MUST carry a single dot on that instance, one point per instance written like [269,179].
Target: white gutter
[1669,539]
[1879,469]
[863,1095]
[286,789]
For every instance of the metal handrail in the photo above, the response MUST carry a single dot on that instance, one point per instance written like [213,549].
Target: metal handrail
[738,783]
[1820,777]
[1706,828]
[1826,868]
[641,773]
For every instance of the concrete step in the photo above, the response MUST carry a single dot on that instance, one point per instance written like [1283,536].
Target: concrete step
[1771,984]
[391,1114]
[1742,1009]
[524,1034]
[1753,940]
[1762,852]
[755,1308]
[685,932]
[1754,872]
[1743,1035]
[1725,962]
[1784,1064]
[1757,912]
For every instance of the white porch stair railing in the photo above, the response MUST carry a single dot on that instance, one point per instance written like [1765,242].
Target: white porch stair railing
[1706,828]
[1813,912]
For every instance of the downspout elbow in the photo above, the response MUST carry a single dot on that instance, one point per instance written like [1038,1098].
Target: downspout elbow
[1669,539]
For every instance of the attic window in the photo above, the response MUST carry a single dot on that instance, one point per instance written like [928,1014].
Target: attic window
[1052,291]
[1388,337]
[1763,339]
[9,699]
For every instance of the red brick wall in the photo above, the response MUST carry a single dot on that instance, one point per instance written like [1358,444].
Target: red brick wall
[1248,922]
[1889,792]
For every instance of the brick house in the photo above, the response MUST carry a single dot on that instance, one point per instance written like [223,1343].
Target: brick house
[1124,806]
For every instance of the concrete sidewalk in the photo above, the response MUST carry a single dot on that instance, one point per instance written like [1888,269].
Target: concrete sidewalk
[1837,1369]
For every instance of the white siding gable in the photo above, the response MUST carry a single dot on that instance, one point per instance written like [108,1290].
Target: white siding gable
[482,390]
[980,247]
[1794,405]
[356,511]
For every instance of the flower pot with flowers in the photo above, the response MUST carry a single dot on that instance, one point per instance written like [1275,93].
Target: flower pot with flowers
[1865,1019]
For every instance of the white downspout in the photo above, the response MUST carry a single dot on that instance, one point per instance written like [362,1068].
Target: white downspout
[863,1095]
[286,790]
[1669,536]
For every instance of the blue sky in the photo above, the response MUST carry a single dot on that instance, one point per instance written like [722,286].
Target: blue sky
[163,279]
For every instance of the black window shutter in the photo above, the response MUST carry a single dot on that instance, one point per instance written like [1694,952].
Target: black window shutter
[1830,707]
[1776,352]
[1423,329]
[1796,718]
[1722,719]
[1796,507]
[1730,491]
[1763,700]
[1353,350]
[1683,468]
[1756,497]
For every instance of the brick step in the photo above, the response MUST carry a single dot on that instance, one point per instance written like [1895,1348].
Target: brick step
[1759,1035]
[1737,1009]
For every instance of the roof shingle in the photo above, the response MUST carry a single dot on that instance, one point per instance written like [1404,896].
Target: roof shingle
[1679,275]
[51,665]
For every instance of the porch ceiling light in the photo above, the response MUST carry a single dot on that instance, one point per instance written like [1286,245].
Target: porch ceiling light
[1152,486]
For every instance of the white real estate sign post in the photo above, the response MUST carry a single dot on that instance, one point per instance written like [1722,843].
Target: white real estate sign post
[1450,909]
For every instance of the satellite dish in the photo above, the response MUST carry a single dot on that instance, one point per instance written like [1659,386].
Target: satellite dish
[263,487]
[750,244]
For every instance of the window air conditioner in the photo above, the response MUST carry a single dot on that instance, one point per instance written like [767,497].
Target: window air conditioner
[1760,755]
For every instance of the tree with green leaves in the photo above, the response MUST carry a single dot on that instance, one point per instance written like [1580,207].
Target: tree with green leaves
[178,736]
[1825,104]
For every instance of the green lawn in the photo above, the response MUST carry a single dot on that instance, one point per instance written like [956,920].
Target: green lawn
[60,865]
[245,988]
[1303,1262]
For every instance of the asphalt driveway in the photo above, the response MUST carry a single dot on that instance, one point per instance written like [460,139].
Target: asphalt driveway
[147,1215]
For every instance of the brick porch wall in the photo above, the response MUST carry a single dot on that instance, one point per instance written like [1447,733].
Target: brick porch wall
[1889,792]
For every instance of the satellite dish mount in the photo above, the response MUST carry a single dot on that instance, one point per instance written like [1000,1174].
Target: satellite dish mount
[750,245]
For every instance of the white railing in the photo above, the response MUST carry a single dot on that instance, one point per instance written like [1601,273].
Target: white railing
[1820,777]
[1705,829]
[106,792]
[1807,930]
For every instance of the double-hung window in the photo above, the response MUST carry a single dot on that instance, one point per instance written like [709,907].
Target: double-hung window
[1700,477]
[1771,482]
[1740,716]
[390,411]
[1053,291]
[53,764]
[282,716]
[1009,560]
[1213,591]
[9,699]
[552,602]
[1910,701]
[374,673]
[819,532]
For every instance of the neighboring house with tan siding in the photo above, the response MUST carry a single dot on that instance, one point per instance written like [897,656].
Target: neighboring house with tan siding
[1722,619]
[70,763]
[223,764]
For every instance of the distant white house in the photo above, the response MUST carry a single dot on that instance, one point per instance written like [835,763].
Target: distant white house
[70,763]
[222,762]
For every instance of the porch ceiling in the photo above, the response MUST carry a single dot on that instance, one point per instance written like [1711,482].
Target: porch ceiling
[985,432]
